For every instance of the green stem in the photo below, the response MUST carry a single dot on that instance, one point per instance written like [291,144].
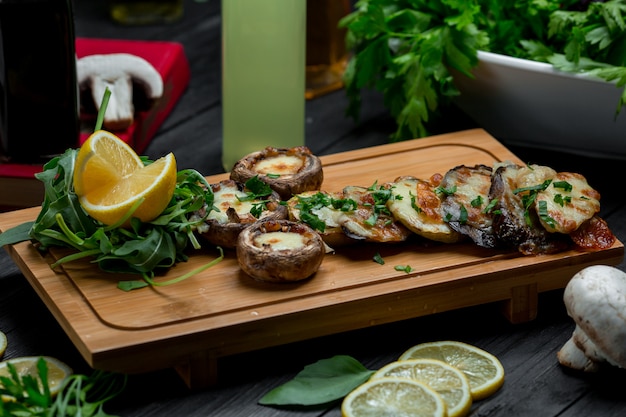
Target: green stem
[66,230]
[103,106]
[75,256]
[189,274]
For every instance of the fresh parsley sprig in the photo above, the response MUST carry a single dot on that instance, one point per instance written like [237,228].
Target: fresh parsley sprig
[404,49]
[407,49]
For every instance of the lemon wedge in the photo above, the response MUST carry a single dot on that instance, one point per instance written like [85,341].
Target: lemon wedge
[110,179]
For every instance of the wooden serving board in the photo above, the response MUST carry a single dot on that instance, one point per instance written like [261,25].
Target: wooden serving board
[222,311]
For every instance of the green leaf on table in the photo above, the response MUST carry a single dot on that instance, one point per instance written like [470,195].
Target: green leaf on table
[322,382]
[17,234]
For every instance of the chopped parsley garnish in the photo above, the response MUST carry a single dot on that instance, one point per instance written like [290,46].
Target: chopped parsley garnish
[403,268]
[306,205]
[463,214]
[477,202]
[414,204]
[562,200]
[378,259]
[380,195]
[258,208]
[446,191]
[256,189]
[563,185]
[533,188]
[529,198]
[490,207]
[542,210]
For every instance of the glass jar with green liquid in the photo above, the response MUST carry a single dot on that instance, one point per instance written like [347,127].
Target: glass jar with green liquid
[263,76]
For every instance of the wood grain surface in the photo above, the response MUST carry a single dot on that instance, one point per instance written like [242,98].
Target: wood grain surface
[221,311]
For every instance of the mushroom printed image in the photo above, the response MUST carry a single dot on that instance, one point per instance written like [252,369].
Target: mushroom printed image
[119,72]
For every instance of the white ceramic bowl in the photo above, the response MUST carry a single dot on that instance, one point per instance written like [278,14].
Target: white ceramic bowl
[529,103]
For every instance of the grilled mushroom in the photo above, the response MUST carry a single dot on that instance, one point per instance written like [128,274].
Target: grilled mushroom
[238,208]
[280,251]
[118,72]
[288,171]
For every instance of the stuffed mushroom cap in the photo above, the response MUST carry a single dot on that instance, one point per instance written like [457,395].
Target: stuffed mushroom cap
[236,211]
[280,251]
[288,171]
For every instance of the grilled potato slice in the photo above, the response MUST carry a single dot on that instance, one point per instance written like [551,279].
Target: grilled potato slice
[417,206]
[372,221]
[566,203]
[325,213]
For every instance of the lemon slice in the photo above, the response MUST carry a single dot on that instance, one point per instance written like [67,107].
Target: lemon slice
[3,343]
[27,365]
[109,179]
[393,396]
[449,382]
[484,371]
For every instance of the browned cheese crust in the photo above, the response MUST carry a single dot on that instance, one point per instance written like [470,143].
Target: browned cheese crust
[288,171]
[280,251]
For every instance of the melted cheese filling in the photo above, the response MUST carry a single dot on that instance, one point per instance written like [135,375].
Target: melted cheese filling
[227,197]
[569,209]
[279,165]
[280,241]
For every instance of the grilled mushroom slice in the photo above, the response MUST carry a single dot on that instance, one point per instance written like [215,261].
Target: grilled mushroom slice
[280,251]
[238,208]
[514,223]
[372,221]
[467,195]
[288,171]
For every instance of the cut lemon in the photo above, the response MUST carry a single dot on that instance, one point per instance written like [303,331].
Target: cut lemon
[3,343]
[110,179]
[449,382]
[27,365]
[393,396]
[484,371]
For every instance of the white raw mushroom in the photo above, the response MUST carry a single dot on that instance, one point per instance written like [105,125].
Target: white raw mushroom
[596,299]
[118,72]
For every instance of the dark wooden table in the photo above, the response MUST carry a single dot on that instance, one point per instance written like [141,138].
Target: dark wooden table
[535,385]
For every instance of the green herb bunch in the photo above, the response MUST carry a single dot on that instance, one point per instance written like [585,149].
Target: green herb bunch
[144,248]
[79,395]
[408,49]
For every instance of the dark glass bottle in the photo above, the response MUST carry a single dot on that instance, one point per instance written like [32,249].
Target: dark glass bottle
[39,114]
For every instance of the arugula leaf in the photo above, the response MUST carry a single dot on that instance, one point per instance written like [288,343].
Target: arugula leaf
[322,382]
[144,249]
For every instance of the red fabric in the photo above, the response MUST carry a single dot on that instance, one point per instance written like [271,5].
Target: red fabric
[168,58]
